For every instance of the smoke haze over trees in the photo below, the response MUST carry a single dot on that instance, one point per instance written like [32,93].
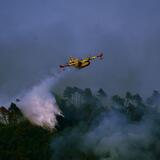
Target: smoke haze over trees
[94,127]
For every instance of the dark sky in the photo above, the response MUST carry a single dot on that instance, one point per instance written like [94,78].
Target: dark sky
[38,35]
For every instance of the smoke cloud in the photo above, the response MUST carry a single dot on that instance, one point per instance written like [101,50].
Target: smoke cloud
[109,135]
[39,105]
[115,138]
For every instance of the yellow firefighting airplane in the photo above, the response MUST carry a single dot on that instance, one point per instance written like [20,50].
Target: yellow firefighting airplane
[80,63]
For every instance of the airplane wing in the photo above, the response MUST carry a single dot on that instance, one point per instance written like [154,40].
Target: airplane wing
[64,65]
[100,56]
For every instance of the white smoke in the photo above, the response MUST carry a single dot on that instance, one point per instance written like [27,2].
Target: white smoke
[39,105]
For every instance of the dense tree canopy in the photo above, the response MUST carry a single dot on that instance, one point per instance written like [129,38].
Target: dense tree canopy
[22,140]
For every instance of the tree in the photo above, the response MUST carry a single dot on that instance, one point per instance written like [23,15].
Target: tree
[117,99]
[4,115]
[88,92]
[128,95]
[154,99]
[68,92]
[137,98]
[101,93]
[15,115]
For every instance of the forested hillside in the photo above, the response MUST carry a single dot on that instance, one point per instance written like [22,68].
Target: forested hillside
[95,126]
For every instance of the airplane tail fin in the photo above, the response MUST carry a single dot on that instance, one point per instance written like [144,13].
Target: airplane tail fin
[100,55]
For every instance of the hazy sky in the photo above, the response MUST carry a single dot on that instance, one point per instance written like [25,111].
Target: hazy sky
[38,35]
